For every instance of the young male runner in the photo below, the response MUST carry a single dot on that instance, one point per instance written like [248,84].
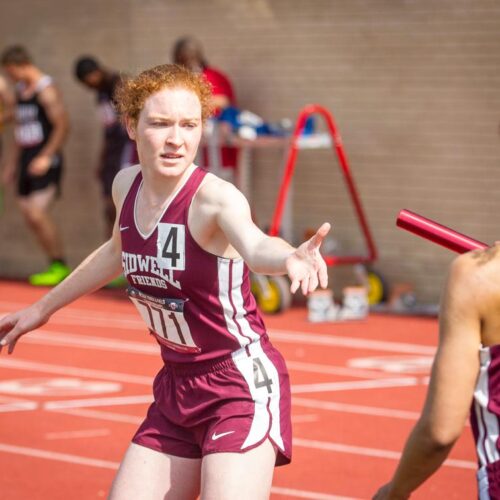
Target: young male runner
[41,127]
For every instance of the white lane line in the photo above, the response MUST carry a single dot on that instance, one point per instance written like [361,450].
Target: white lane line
[122,322]
[77,434]
[131,419]
[61,457]
[132,321]
[95,402]
[374,411]
[290,492]
[21,364]
[305,338]
[336,370]
[88,317]
[50,337]
[355,385]
[357,409]
[10,404]
[18,406]
[138,379]
[371,452]
[102,415]
[296,401]
[106,464]
[16,363]
[305,443]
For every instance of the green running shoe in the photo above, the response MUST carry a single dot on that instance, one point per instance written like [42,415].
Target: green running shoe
[120,282]
[54,274]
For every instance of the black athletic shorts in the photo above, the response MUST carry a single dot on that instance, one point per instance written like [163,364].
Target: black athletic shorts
[27,183]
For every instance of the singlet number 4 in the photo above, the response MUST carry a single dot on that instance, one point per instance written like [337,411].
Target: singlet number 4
[260,377]
[171,246]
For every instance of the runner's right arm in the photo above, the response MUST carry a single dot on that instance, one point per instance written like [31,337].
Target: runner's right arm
[96,270]
[51,100]
[7,114]
[10,164]
[7,101]
[452,382]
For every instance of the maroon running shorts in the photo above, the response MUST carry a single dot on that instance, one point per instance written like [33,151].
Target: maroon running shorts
[231,404]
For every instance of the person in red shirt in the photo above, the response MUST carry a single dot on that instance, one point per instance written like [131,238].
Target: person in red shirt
[189,53]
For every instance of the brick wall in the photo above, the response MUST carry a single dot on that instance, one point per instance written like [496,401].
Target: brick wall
[414,88]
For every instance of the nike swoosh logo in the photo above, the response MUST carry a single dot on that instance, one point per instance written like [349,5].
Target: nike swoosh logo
[123,228]
[216,436]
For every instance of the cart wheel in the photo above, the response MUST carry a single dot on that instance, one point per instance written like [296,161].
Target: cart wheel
[272,293]
[377,287]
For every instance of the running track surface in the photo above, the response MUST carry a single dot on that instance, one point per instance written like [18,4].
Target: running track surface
[74,392]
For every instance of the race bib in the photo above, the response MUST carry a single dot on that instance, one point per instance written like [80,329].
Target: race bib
[165,319]
[29,134]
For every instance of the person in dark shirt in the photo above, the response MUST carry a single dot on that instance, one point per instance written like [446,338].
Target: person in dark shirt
[117,150]
[36,162]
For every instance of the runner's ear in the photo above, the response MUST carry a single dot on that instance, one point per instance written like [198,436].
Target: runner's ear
[131,126]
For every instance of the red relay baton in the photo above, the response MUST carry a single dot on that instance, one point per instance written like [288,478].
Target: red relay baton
[437,233]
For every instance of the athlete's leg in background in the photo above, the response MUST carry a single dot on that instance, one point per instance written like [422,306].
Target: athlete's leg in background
[146,474]
[35,208]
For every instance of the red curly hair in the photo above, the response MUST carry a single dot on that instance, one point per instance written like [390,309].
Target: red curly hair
[131,95]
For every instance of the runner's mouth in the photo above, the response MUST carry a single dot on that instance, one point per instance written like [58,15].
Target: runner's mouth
[171,156]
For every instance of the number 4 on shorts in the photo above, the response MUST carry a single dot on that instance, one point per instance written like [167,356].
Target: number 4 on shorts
[260,377]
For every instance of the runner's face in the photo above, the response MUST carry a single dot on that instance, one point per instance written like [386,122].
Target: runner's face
[15,72]
[168,131]
[93,79]
[189,56]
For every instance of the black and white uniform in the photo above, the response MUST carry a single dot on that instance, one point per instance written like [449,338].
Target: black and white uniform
[32,132]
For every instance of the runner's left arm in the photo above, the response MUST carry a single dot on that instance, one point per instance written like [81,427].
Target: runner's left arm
[266,254]
[52,102]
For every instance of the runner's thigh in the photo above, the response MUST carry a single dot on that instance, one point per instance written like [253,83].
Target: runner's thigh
[245,476]
[147,474]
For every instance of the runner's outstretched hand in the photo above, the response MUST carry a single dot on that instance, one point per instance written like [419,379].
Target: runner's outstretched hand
[14,325]
[306,267]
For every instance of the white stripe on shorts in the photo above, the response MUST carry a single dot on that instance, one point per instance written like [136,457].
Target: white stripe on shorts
[486,420]
[265,420]
[482,484]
